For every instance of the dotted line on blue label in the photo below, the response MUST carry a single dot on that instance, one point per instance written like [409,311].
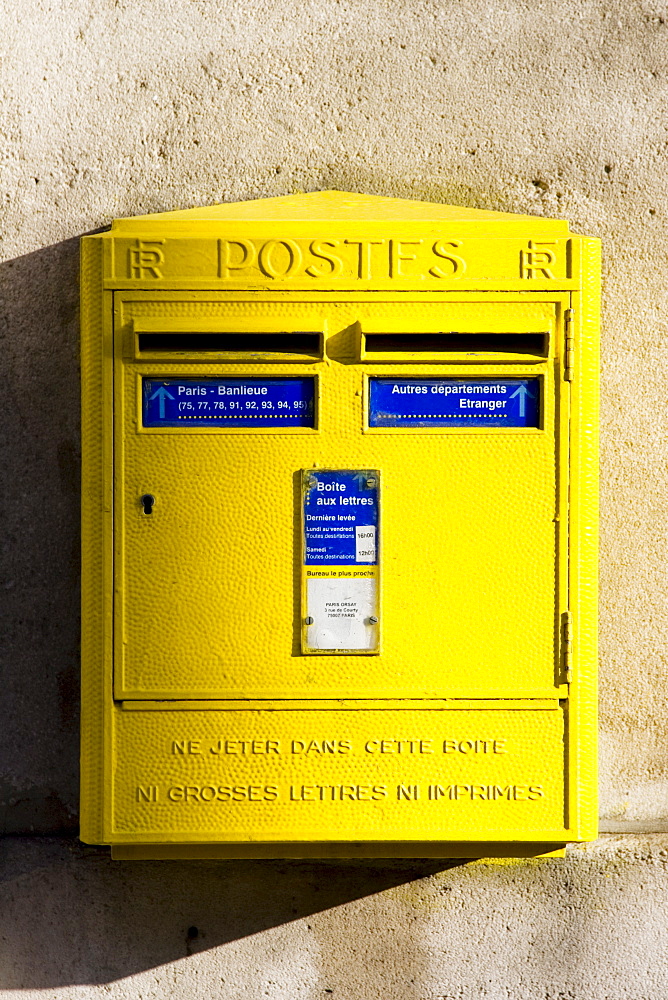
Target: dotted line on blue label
[243,416]
[450,416]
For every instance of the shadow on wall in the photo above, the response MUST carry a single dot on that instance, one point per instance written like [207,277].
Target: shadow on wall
[39,299]
[74,916]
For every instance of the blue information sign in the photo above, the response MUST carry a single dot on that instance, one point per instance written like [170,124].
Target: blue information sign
[341,517]
[454,402]
[228,402]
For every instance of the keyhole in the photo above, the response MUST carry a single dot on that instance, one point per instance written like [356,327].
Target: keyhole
[147,501]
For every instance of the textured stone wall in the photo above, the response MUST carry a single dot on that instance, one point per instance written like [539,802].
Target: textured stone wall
[554,107]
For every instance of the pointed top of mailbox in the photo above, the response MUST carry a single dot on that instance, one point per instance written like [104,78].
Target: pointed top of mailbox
[342,209]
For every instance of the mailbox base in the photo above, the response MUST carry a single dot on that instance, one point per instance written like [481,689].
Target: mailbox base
[327,851]
[279,782]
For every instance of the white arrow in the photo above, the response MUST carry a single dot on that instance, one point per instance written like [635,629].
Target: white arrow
[522,392]
[162,394]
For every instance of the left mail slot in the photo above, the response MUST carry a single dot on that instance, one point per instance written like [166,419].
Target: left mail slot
[225,402]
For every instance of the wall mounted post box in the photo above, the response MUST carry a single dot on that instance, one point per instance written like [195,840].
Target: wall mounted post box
[339,497]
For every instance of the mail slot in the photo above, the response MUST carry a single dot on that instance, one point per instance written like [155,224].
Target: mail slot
[339,512]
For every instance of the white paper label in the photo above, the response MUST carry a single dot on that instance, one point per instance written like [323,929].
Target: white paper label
[341,610]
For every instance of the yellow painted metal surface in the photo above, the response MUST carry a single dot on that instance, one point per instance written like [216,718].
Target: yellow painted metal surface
[194,616]
[341,775]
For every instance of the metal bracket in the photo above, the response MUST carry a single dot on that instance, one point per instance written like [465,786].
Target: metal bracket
[567,645]
[569,345]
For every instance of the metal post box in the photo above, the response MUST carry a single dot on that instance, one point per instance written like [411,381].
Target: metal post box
[339,539]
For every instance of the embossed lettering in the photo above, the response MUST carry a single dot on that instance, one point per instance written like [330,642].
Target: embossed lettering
[364,269]
[398,746]
[245,747]
[323,259]
[266,258]
[147,794]
[320,746]
[537,259]
[337,793]
[499,792]
[411,792]
[225,254]
[474,746]
[398,257]
[456,791]
[458,263]
[334,261]
[186,747]
[146,258]
[487,793]
[222,793]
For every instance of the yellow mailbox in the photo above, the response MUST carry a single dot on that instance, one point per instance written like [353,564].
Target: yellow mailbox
[339,522]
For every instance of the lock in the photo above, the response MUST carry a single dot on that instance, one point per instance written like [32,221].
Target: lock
[355,615]
[147,500]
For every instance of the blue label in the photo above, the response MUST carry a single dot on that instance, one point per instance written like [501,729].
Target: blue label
[454,402]
[228,402]
[341,517]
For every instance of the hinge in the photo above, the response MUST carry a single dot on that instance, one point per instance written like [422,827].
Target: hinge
[569,346]
[567,645]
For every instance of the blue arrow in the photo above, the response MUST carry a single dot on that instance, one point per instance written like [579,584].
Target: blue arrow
[522,392]
[162,394]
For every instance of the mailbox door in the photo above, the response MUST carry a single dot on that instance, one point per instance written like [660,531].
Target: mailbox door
[473,527]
